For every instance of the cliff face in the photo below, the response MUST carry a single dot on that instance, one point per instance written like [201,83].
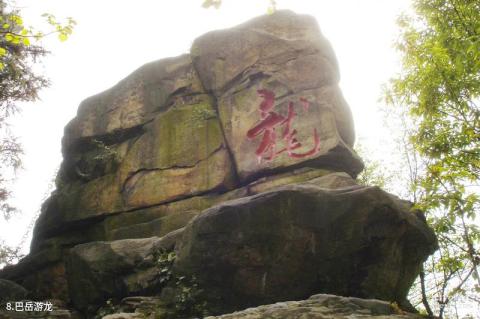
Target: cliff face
[236,161]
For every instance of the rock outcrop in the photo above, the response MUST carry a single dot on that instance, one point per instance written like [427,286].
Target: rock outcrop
[324,307]
[219,180]
[302,239]
[11,291]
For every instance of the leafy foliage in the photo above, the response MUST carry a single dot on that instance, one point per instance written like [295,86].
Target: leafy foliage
[165,260]
[440,86]
[8,254]
[374,173]
[20,50]
[187,301]
[184,297]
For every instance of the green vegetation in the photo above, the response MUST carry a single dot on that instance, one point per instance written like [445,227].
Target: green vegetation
[374,173]
[20,50]
[183,299]
[187,299]
[438,89]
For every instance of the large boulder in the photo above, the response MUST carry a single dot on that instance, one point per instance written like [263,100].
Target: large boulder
[99,271]
[321,306]
[192,125]
[324,306]
[182,134]
[328,235]
[255,71]
[10,291]
[302,239]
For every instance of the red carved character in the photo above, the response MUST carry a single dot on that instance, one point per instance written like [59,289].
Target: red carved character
[270,120]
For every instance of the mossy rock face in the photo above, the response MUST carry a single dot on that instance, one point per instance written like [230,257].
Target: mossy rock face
[302,239]
[183,154]
[133,101]
[176,128]
[153,221]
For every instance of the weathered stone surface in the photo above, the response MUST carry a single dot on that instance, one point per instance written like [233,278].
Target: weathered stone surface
[303,239]
[44,271]
[153,221]
[279,38]
[114,264]
[99,271]
[134,100]
[183,154]
[175,129]
[43,274]
[286,54]
[48,282]
[323,307]
[10,291]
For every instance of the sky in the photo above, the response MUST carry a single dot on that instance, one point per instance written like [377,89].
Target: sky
[113,38]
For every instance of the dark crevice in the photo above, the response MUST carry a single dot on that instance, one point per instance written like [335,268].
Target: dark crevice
[173,98]
[181,90]
[66,227]
[333,161]
[85,144]
[159,169]
[228,148]
[230,84]
[251,80]
[90,221]
[217,190]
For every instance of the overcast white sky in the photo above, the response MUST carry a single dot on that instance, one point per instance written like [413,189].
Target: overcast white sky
[114,37]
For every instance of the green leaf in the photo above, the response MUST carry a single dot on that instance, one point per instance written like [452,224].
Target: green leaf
[438,89]
[16,19]
[63,37]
